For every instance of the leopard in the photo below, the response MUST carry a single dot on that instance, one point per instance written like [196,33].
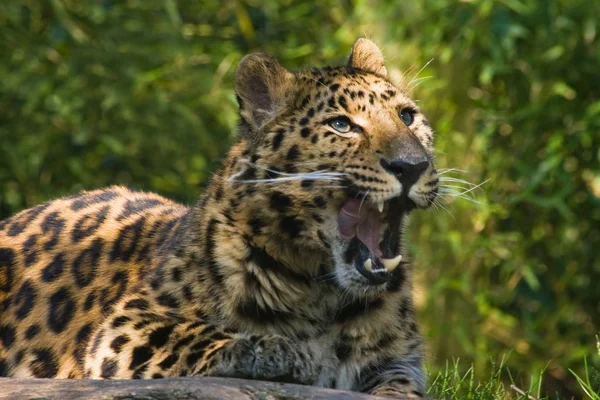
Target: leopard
[288,268]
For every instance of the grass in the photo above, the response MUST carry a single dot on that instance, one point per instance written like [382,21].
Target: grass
[590,389]
[586,384]
[453,384]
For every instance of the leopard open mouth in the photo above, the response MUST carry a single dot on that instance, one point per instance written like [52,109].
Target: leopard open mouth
[374,232]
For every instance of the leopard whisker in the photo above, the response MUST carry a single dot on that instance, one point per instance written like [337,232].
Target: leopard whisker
[456,180]
[323,171]
[418,72]
[313,79]
[312,178]
[454,194]
[442,171]
[306,163]
[417,82]
[473,187]
[330,276]
[454,188]
[438,205]
[320,175]
[363,200]
[405,74]
[330,187]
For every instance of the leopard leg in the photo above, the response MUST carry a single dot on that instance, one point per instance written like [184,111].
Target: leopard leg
[401,378]
[138,343]
[268,357]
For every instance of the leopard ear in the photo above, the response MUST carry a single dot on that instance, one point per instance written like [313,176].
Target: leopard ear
[262,86]
[366,56]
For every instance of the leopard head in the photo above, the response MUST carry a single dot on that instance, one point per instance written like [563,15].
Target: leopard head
[336,157]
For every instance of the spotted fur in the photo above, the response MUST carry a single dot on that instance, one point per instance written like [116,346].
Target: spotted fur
[254,280]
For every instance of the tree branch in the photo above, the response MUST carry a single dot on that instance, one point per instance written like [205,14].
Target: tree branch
[194,388]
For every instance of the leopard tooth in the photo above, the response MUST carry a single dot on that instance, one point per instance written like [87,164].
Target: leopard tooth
[392,263]
[369,265]
[380,205]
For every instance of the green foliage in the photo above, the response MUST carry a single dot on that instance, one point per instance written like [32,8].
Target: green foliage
[452,383]
[135,92]
[139,93]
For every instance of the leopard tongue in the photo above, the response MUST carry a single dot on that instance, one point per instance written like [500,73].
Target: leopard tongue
[361,221]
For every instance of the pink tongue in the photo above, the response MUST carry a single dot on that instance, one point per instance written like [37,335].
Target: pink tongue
[354,220]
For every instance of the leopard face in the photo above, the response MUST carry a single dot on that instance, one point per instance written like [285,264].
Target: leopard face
[347,144]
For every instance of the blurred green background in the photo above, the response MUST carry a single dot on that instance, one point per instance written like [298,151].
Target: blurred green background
[139,92]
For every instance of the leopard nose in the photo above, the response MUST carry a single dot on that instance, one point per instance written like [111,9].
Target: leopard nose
[407,170]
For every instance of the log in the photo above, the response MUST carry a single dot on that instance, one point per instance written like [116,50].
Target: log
[191,388]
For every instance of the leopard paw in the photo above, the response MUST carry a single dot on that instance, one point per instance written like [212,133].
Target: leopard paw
[280,359]
[270,357]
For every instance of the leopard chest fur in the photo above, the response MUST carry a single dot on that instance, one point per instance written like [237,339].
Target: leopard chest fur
[349,335]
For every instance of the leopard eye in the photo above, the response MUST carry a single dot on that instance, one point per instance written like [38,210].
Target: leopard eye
[408,116]
[341,124]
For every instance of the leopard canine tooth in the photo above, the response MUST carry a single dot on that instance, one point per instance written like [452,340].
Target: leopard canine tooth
[369,265]
[380,206]
[392,263]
